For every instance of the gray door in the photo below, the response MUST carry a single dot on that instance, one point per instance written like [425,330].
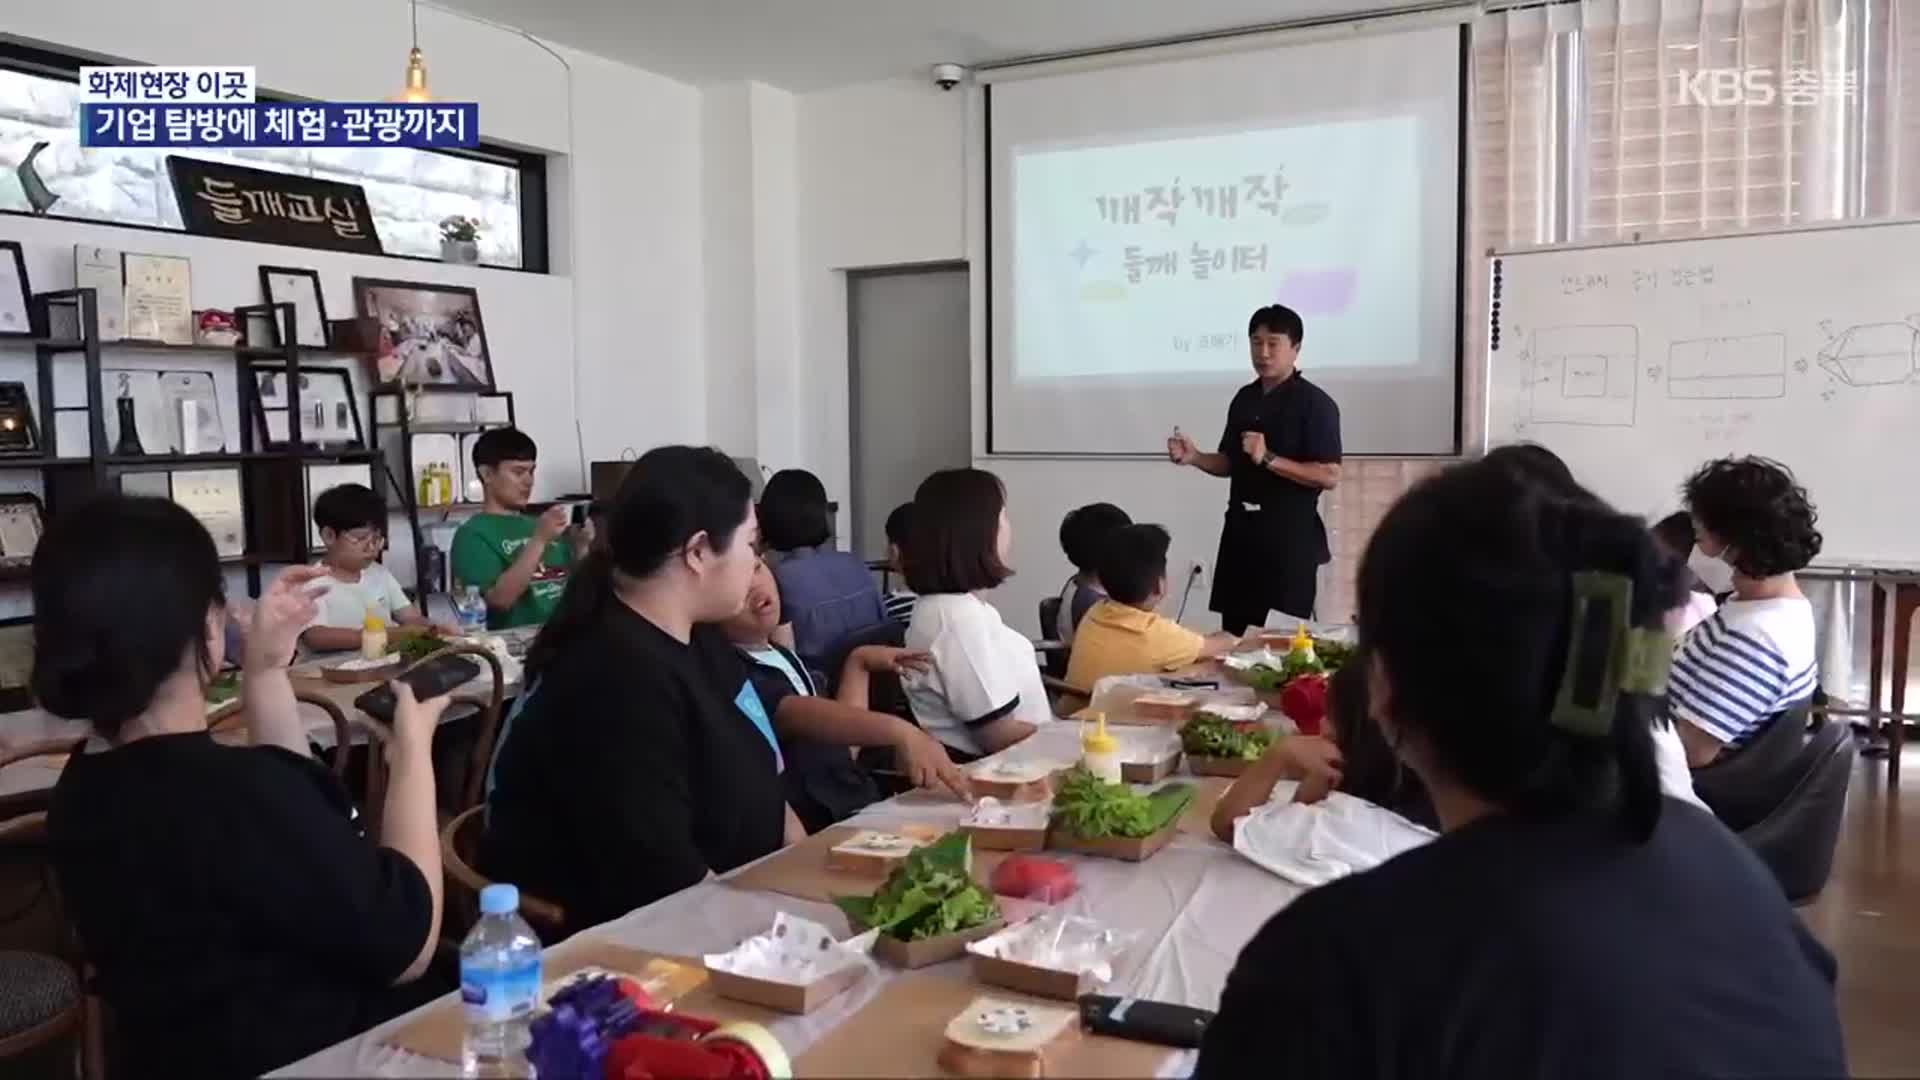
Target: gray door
[907,346]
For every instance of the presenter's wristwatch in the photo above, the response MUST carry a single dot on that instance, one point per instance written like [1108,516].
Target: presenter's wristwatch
[1266,458]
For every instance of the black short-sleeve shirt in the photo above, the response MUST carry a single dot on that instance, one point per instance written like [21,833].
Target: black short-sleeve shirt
[1516,948]
[1300,422]
[236,916]
[822,782]
[631,771]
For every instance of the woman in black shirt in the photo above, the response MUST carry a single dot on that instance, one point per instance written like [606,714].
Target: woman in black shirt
[1570,921]
[237,917]
[641,760]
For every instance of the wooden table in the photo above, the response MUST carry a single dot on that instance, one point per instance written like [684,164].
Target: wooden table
[1900,585]
[1193,905]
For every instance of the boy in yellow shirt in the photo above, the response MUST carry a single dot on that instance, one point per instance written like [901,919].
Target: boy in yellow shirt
[1123,634]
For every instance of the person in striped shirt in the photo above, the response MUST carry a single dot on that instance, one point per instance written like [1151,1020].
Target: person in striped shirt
[1754,657]
[899,602]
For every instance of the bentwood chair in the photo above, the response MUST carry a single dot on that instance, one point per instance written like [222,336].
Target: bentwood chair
[459,842]
[42,999]
[471,779]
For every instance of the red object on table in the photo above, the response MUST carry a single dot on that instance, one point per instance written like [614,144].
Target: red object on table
[672,1048]
[1031,877]
[1304,700]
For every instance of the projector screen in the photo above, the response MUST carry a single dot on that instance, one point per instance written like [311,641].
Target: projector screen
[1137,215]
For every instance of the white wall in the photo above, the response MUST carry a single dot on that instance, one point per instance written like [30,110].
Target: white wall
[343,50]
[880,184]
[886,177]
[604,354]
[752,230]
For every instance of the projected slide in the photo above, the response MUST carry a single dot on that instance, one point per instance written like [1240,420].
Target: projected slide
[1140,261]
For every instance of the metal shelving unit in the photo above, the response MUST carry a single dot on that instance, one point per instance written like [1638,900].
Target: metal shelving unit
[273,482]
[397,482]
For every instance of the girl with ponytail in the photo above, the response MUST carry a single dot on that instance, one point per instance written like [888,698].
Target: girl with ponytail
[641,759]
[1570,921]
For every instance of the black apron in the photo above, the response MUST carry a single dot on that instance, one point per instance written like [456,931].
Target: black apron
[1269,560]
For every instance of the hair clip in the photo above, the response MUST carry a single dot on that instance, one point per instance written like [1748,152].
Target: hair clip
[1649,657]
[1590,682]
[1606,655]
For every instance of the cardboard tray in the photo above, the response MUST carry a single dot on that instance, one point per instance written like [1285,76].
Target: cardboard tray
[1216,766]
[1148,772]
[1029,979]
[1128,848]
[1004,838]
[802,871]
[1013,790]
[337,674]
[784,997]
[935,950]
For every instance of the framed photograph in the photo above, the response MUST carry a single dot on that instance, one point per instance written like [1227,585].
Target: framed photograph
[430,335]
[16,663]
[329,415]
[172,412]
[159,298]
[21,523]
[16,297]
[301,288]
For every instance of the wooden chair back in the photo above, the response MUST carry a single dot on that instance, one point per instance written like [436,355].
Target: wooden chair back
[459,842]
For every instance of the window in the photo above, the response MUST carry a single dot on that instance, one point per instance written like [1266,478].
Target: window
[409,190]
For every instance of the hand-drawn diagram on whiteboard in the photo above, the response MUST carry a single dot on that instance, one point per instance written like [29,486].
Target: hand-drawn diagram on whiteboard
[1875,354]
[1728,368]
[1587,375]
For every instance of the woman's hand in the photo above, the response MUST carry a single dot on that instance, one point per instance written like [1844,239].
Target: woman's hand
[279,617]
[886,660]
[414,720]
[1314,760]
[926,764]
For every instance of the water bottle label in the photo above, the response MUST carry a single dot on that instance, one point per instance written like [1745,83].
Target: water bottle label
[494,995]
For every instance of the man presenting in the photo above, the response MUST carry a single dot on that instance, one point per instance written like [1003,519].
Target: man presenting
[1280,449]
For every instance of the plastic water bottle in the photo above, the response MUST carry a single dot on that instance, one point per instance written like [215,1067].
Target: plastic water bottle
[471,608]
[499,987]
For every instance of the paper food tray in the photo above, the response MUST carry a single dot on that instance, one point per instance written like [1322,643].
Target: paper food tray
[795,967]
[1057,956]
[1003,826]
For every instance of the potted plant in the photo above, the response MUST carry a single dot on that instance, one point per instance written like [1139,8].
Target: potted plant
[460,240]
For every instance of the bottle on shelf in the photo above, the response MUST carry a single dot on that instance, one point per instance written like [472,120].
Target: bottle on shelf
[500,971]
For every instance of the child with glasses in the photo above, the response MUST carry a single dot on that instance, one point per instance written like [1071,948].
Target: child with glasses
[353,526]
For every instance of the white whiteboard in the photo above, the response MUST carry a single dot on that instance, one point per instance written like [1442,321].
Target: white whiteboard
[1636,362]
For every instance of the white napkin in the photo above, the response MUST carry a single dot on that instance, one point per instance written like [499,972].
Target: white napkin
[1059,942]
[991,813]
[1311,844]
[796,952]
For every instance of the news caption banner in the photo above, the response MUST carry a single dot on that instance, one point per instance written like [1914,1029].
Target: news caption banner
[215,108]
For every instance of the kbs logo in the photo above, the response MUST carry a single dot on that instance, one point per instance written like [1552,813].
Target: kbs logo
[1800,88]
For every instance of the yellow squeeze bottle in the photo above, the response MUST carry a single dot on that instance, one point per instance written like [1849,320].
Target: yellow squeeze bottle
[1302,643]
[1100,752]
[373,636]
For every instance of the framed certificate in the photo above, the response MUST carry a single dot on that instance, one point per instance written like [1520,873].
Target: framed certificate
[159,298]
[98,268]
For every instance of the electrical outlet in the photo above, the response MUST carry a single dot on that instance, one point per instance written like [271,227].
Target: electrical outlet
[1197,575]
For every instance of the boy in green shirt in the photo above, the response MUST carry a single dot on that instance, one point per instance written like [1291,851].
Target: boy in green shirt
[518,562]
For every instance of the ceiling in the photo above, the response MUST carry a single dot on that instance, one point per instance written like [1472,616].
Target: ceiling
[803,45]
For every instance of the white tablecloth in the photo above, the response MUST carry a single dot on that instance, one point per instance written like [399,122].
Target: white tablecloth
[1195,904]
